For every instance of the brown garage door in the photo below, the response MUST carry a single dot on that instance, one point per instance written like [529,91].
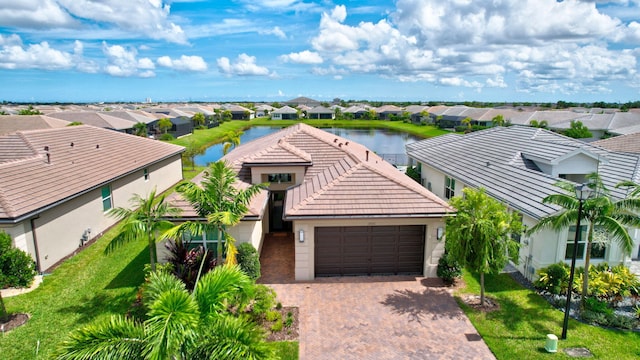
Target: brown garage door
[368,250]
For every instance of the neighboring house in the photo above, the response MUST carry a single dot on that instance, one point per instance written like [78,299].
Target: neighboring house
[263,110]
[321,112]
[239,112]
[284,113]
[97,119]
[310,103]
[351,212]
[356,111]
[519,166]
[385,112]
[13,123]
[624,143]
[182,124]
[57,184]
[419,114]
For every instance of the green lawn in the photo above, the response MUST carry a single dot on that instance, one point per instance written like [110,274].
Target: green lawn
[205,138]
[518,330]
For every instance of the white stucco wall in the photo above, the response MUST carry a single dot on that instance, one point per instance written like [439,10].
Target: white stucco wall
[304,251]
[437,180]
[257,177]
[59,230]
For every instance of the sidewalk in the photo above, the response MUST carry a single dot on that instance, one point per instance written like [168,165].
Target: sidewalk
[18,291]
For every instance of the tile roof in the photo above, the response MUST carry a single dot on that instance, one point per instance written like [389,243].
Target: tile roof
[80,158]
[497,159]
[13,123]
[95,118]
[624,143]
[343,178]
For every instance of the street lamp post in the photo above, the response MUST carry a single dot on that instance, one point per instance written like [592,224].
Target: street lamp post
[582,193]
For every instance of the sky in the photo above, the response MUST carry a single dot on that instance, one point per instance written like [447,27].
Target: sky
[276,50]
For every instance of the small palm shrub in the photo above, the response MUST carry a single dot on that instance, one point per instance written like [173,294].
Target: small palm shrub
[249,260]
[17,268]
[448,269]
[186,261]
[167,137]
[553,279]
[264,301]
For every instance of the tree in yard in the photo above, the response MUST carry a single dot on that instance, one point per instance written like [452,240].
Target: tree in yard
[198,119]
[178,324]
[29,111]
[539,124]
[478,237]
[220,200]
[165,125]
[190,152]
[467,122]
[142,223]
[498,120]
[577,130]
[140,129]
[603,215]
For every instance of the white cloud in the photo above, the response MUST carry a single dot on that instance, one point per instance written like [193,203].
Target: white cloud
[14,55]
[124,63]
[184,63]
[245,65]
[275,31]
[303,57]
[142,17]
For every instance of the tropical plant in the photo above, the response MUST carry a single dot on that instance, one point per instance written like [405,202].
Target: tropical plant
[29,111]
[478,237]
[249,260]
[544,124]
[553,278]
[198,119]
[498,120]
[178,325]
[448,269]
[599,210]
[140,129]
[165,125]
[222,201]
[232,140]
[17,268]
[466,122]
[577,130]
[188,262]
[143,223]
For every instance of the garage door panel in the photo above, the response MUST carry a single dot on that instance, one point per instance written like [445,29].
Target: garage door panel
[365,250]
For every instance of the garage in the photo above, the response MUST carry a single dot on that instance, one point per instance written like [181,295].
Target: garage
[369,250]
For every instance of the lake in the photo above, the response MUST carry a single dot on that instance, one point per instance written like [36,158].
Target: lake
[386,143]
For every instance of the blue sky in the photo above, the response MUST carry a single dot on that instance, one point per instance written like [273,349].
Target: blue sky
[275,50]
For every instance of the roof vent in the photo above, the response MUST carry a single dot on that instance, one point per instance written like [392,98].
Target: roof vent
[46,148]
[347,143]
[335,140]
[340,145]
[367,153]
[488,163]
[71,144]
[98,146]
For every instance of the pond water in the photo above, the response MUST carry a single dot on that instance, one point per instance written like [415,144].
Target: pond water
[387,143]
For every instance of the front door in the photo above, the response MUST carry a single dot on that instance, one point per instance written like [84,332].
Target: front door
[276,206]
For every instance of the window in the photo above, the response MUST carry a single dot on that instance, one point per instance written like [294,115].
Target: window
[449,187]
[598,247]
[209,241]
[107,202]
[145,172]
[279,178]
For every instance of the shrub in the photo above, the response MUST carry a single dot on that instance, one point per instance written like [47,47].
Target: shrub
[289,320]
[595,305]
[553,279]
[17,268]
[186,262]
[264,300]
[167,137]
[249,260]
[448,269]
[277,326]
[273,316]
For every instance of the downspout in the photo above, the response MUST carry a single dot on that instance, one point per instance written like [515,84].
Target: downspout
[35,243]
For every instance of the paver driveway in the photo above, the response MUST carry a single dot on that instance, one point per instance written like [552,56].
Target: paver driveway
[380,318]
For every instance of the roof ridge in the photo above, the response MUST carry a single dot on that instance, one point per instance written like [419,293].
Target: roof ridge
[330,184]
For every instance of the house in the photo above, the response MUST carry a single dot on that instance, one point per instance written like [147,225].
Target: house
[57,184]
[97,119]
[356,111]
[519,166]
[320,112]
[180,120]
[301,100]
[263,110]
[284,113]
[13,123]
[350,212]
[239,112]
[387,112]
[629,143]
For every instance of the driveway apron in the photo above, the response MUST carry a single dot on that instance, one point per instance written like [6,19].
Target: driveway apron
[381,317]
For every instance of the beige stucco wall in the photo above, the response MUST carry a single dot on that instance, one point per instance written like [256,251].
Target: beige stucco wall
[59,230]
[304,251]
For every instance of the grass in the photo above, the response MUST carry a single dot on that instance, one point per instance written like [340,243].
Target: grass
[201,139]
[85,288]
[519,328]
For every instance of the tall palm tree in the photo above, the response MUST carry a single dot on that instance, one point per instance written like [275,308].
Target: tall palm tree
[179,324]
[145,221]
[140,129]
[233,140]
[599,210]
[221,202]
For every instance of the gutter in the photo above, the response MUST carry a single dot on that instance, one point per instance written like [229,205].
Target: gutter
[35,242]
[375,216]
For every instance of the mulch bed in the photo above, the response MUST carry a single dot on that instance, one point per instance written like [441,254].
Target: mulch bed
[287,333]
[14,321]
[474,302]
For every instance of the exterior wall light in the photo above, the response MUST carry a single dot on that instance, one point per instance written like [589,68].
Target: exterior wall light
[439,233]
[301,236]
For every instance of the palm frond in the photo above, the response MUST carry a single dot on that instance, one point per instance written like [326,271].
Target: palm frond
[111,339]
[217,286]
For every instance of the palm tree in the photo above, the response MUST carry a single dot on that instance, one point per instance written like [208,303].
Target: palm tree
[233,140]
[144,222]
[598,211]
[140,129]
[221,202]
[179,324]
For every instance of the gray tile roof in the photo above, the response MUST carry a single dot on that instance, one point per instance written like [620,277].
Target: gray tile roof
[81,158]
[497,159]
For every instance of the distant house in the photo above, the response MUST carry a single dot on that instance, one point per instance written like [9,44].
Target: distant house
[321,112]
[182,124]
[13,123]
[263,110]
[624,143]
[385,112]
[98,119]
[56,185]
[519,166]
[239,112]
[324,195]
[302,101]
[284,113]
[356,111]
